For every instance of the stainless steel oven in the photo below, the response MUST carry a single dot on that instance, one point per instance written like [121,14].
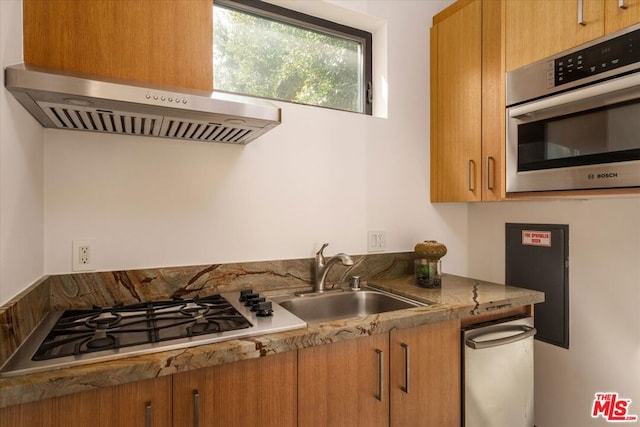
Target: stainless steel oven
[573,120]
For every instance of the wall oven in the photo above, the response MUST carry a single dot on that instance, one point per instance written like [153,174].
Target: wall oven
[573,120]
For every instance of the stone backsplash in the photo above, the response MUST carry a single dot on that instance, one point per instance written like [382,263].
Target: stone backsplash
[19,316]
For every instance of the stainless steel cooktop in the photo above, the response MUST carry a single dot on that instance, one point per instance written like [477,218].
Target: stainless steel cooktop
[74,337]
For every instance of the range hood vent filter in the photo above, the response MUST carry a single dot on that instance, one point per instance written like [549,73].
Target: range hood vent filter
[98,120]
[84,118]
[74,101]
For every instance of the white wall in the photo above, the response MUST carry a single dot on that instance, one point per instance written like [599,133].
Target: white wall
[21,173]
[604,292]
[321,176]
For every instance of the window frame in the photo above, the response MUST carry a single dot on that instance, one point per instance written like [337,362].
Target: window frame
[288,16]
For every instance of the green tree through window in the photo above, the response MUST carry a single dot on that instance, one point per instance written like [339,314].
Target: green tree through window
[260,56]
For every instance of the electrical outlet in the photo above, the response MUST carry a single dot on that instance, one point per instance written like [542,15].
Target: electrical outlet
[376,241]
[83,255]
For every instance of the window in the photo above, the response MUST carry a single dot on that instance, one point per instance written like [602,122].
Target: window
[264,50]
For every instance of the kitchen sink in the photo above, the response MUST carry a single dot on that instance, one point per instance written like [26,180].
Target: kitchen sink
[342,305]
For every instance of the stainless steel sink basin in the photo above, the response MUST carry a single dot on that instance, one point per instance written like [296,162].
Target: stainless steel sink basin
[342,305]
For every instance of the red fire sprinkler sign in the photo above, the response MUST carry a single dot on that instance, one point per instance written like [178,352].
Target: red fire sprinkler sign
[536,238]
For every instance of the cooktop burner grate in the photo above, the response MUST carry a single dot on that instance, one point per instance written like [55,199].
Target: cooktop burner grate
[84,331]
[74,337]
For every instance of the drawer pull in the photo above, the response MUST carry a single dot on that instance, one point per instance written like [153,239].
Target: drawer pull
[581,13]
[148,414]
[490,161]
[470,176]
[405,388]
[196,408]
[381,375]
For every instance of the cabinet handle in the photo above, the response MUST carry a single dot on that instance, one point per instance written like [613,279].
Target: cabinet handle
[470,177]
[621,4]
[148,414]
[581,13]
[381,374]
[196,408]
[490,160]
[405,388]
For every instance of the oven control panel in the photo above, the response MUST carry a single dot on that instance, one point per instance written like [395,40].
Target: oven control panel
[600,58]
[608,57]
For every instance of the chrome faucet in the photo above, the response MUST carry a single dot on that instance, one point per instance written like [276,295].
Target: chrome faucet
[323,266]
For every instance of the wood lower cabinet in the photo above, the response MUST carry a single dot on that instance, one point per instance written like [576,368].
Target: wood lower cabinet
[139,404]
[425,375]
[345,383]
[338,384]
[404,378]
[250,392]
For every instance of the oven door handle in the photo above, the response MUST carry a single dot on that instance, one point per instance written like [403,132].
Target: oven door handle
[598,95]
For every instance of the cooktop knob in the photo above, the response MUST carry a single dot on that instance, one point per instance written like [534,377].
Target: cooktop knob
[264,309]
[249,298]
[255,302]
[244,293]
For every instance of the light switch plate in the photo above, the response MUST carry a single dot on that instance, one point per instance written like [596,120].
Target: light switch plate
[376,241]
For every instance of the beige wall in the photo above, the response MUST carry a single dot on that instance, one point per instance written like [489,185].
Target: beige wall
[21,173]
[322,176]
[604,293]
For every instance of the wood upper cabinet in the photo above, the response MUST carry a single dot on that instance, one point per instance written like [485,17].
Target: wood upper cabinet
[467,103]
[168,42]
[456,87]
[138,404]
[250,392]
[425,375]
[620,15]
[345,383]
[538,29]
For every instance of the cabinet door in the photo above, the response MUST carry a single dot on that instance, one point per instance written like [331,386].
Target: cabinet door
[138,404]
[344,383]
[620,14]
[250,392]
[164,42]
[456,105]
[537,29]
[493,103]
[425,375]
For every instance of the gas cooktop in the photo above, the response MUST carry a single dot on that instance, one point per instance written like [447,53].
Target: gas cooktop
[73,337]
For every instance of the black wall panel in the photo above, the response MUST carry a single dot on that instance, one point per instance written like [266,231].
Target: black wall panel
[537,257]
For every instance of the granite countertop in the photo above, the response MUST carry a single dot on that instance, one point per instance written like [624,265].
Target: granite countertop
[458,298]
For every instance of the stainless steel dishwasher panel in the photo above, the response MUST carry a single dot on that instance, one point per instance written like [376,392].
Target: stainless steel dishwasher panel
[498,374]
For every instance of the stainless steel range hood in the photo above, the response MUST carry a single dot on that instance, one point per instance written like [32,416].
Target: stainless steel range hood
[74,101]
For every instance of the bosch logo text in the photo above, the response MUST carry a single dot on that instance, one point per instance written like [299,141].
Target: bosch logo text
[603,175]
